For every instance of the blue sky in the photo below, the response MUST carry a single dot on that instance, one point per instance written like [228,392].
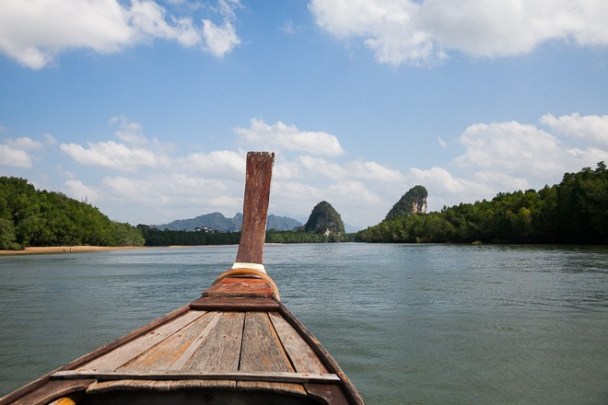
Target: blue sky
[146,109]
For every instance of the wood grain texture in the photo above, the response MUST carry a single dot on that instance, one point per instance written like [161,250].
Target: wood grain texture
[171,375]
[255,207]
[220,351]
[262,351]
[240,287]
[174,351]
[123,354]
[153,385]
[301,355]
[234,304]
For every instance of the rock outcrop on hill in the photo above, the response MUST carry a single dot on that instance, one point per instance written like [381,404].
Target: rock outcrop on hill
[412,202]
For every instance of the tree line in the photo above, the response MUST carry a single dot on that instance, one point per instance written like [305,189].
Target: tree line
[574,211]
[29,217]
[157,237]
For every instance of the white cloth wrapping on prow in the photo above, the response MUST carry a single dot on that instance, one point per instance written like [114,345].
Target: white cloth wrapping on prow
[254,266]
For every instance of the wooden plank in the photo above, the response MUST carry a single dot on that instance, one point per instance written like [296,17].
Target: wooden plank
[240,287]
[164,375]
[234,304]
[123,354]
[293,389]
[300,353]
[220,351]
[262,351]
[120,342]
[255,207]
[174,351]
[153,385]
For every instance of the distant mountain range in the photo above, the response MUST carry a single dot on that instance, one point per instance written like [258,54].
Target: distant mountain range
[217,221]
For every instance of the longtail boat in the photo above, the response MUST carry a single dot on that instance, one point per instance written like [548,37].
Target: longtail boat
[236,344]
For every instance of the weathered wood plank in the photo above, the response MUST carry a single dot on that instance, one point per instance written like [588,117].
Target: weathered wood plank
[123,354]
[234,304]
[262,351]
[294,389]
[221,350]
[164,375]
[240,287]
[154,385]
[302,356]
[174,351]
[255,207]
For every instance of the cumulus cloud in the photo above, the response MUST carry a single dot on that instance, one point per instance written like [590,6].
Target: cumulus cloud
[592,128]
[14,152]
[222,39]
[219,40]
[113,155]
[509,156]
[220,163]
[493,157]
[280,136]
[12,157]
[512,147]
[35,32]
[416,32]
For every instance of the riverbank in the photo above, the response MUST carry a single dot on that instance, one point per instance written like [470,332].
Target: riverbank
[63,249]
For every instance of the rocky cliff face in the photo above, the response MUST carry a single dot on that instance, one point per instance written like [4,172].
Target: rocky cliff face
[412,202]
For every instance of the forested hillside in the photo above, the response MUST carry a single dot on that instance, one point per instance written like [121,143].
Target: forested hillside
[325,220]
[29,217]
[574,211]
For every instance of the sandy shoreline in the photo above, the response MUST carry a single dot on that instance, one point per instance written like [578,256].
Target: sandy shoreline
[63,249]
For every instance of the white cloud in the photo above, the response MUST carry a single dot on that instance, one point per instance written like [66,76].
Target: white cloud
[24,143]
[322,167]
[287,137]
[512,147]
[375,172]
[14,152]
[13,157]
[220,163]
[592,128]
[509,156]
[219,40]
[113,155]
[400,31]
[35,32]
[128,131]
[222,39]
[79,191]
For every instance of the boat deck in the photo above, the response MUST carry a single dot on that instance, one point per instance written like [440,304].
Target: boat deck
[234,340]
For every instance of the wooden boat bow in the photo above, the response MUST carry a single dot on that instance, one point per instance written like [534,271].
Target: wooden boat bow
[236,344]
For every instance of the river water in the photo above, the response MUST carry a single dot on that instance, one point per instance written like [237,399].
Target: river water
[409,324]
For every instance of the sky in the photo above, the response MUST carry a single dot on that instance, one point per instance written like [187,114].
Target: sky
[146,109]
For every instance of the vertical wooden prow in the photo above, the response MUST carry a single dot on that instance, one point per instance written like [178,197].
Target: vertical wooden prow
[255,211]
